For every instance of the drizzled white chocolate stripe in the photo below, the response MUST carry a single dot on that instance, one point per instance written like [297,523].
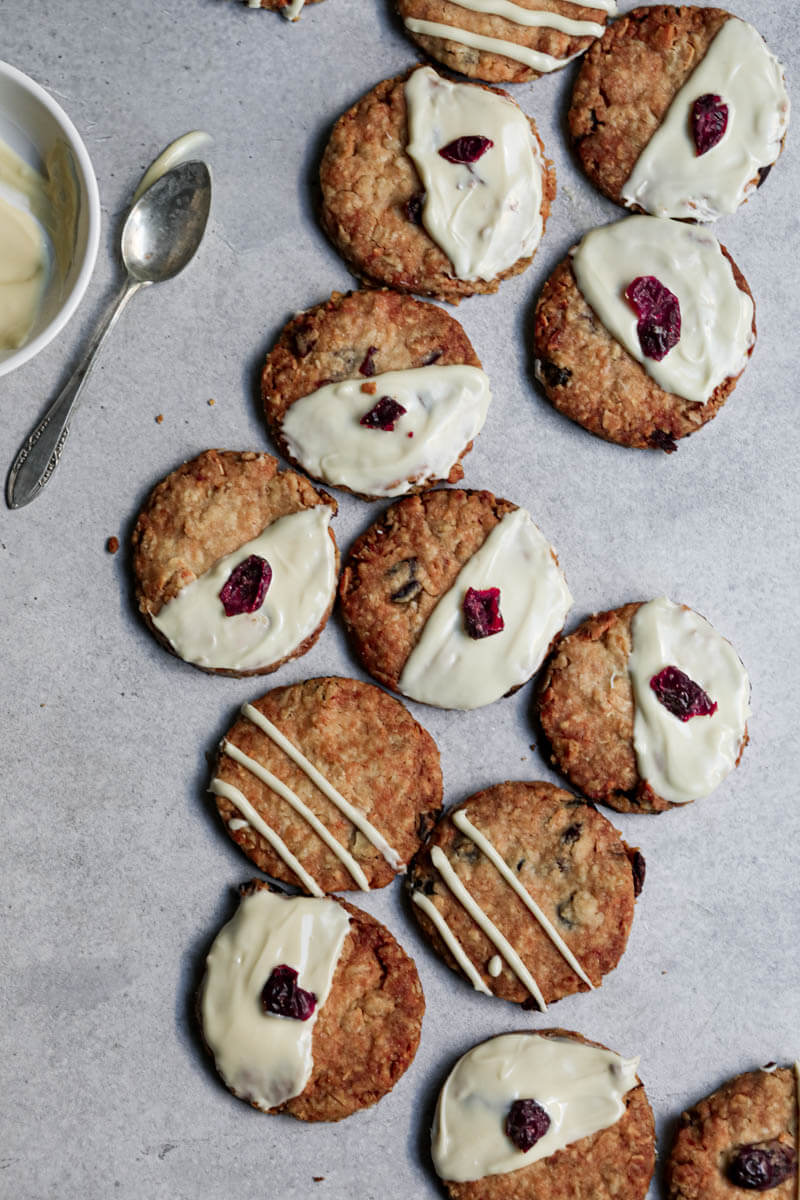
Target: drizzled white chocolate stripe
[533,18]
[452,942]
[272,781]
[353,814]
[220,788]
[535,59]
[463,823]
[465,898]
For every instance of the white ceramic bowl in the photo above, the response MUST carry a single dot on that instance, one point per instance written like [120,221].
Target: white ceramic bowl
[32,124]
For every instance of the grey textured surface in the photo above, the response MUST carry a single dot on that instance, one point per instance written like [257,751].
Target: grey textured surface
[114,873]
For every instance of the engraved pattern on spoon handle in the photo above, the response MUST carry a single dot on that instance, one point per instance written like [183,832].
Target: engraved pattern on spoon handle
[40,453]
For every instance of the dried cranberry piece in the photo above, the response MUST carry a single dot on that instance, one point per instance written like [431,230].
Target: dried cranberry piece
[482,612]
[467,149]
[281,995]
[639,869]
[246,586]
[761,1166]
[681,695]
[413,208]
[659,313]
[384,414]
[526,1122]
[661,440]
[368,365]
[709,121]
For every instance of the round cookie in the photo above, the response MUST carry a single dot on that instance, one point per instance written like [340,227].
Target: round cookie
[593,691]
[372,756]
[617,391]
[756,1111]
[235,564]
[330,1041]
[550,889]
[633,111]
[453,597]
[504,42]
[378,210]
[529,1116]
[325,384]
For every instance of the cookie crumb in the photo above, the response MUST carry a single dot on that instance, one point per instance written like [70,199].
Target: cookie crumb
[160,419]
[42,705]
[211,403]
[112,545]
[318,1178]
[369,388]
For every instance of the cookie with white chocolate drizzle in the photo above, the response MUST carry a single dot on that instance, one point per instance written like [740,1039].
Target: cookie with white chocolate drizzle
[453,597]
[284,978]
[679,111]
[328,784]
[645,707]
[526,1116]
[505,41]
[235,562]
[740,1140]
[376,393]
[436,187]
[642,332]
[527,891]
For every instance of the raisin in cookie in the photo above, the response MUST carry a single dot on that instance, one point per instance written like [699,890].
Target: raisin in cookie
[308,1006]
[527,891]
[529,1116]
[376,393]
[679,112]
[642,331]
[328,783]
[740,1139]
[235,563]
[453,597]
[645,707]
[504,41]
[435,187]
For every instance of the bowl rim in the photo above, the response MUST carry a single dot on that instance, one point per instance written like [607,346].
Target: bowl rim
[92,193]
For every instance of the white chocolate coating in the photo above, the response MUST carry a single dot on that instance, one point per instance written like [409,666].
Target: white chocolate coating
[24,248]
[716,317]
[670,179]
[537,60]
[581,1087]
[684,760]
[264,1058]
[183,149]
[468,901]
[292,10]
[494,966]
[533,18]
[302,556]
[445,409]
[450,669]
[485,216]
[465,826]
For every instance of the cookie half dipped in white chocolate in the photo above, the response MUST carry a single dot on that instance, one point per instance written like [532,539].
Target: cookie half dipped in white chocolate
[528,1115]
[283,978]
[376,393]
[235,563]
[436,187]
[680,112]
[453,598]
[645,707]
[642,332]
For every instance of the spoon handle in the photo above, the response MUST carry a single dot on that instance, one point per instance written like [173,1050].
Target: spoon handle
[39,454]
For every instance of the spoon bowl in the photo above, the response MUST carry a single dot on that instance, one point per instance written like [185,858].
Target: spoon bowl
[163,230]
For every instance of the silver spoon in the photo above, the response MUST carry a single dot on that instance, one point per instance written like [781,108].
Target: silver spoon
[160,236]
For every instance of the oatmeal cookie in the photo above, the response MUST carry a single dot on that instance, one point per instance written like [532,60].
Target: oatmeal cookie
[679,111]
[373,758]
[603,706]
[740,1139]
[234,562]
[326,384]
[308,1006]
[550,889]
[453,598]
[397,228]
